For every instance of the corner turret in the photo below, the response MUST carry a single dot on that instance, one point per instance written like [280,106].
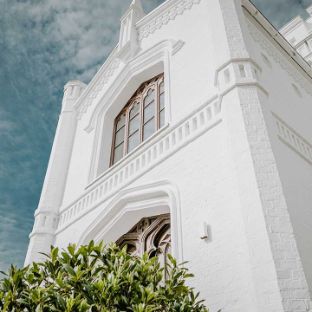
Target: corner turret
[46,215]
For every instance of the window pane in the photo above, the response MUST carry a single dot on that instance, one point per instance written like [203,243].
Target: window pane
[150,97]
[143,114]
[148,129]
[161,101]
[121,121]
[149,111]
[118,152]
[133,141]
[120,134]
[134,124]
[162,118]
[134,110]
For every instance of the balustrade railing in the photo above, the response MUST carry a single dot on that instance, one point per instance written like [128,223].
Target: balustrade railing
[294,140]
[145,157]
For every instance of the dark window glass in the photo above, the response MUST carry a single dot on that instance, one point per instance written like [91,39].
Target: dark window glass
[140,118]
[149,129]
[149,112]
[133,141]
[118,152]
[134,124]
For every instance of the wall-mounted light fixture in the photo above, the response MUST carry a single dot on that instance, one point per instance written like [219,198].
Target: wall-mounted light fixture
[206,232]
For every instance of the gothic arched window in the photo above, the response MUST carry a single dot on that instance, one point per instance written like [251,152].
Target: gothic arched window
[151,235]
[140,118]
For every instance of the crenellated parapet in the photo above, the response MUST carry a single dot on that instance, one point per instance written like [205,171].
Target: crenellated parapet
[238,72]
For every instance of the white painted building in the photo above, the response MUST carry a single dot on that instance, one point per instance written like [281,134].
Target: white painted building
[299,33]
[203,112]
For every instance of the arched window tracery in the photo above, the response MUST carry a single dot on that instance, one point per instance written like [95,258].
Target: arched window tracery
[151,235]
[143,115]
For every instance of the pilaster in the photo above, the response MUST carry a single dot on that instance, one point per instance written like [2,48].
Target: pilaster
[278,278]
[128,38]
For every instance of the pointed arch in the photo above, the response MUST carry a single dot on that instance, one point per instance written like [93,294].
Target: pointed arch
[141,68]
[129,206]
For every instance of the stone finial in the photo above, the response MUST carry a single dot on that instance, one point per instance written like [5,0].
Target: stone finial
[72,91]
[137,6]
[128,38]
[73,88]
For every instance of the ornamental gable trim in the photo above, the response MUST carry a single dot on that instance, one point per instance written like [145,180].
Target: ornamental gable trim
[99,81]
[162,15]
[147,25]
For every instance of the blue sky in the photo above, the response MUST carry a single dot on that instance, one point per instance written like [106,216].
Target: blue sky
[43,44]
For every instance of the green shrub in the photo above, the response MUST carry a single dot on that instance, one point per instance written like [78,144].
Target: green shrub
[98,278]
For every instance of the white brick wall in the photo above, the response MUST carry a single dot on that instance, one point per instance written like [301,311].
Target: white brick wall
[220,152]
[285,105]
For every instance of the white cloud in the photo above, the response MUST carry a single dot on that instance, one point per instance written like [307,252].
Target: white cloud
[6,125]
[43,43]
[85,31]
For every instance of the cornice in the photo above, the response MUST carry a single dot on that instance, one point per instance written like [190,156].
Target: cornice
[303,75]
[162,15]
[238,72]
[293,139]
[272,32]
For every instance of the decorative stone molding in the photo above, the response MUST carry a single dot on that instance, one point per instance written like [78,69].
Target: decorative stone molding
[160,16]
[128,39]
[45,223]
[177,46]
[140,63]
[130,205]
[238,72]
[293,140]
[163,15]
[143,66]
[151,235]
[152,152]
[112,65]
[97,84]
[274,52]
[72,91]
